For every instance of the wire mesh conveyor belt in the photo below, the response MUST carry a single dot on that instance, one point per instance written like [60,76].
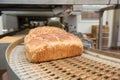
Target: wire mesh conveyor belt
[85,67]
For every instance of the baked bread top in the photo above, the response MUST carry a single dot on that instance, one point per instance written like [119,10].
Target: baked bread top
[46,37]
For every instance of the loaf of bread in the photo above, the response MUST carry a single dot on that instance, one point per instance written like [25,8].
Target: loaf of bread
[50,43]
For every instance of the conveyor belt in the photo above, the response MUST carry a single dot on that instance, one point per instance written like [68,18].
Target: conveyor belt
[85,67]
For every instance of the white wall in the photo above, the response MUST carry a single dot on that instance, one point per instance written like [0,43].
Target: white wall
[1,25]
[116,29]
[118,26]
[85,26]
[109,18]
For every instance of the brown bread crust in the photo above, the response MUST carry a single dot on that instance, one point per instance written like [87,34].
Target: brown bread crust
[50,43]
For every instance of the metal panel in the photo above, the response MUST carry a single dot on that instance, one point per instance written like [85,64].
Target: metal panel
[100,30]
[29,13]
[97,2]
[77,7]
[3,47]
[118,43]
[37,1]
[57,2]
[114,2]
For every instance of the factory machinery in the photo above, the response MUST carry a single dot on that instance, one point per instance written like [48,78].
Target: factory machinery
[91,65]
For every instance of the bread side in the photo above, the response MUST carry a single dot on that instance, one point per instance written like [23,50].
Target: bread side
[52,45]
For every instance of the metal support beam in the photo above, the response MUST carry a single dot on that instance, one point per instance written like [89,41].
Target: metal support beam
[100,30]
[23,9]
[29,13]
[95,2]
[39,2]
[60,2]
[110,7]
